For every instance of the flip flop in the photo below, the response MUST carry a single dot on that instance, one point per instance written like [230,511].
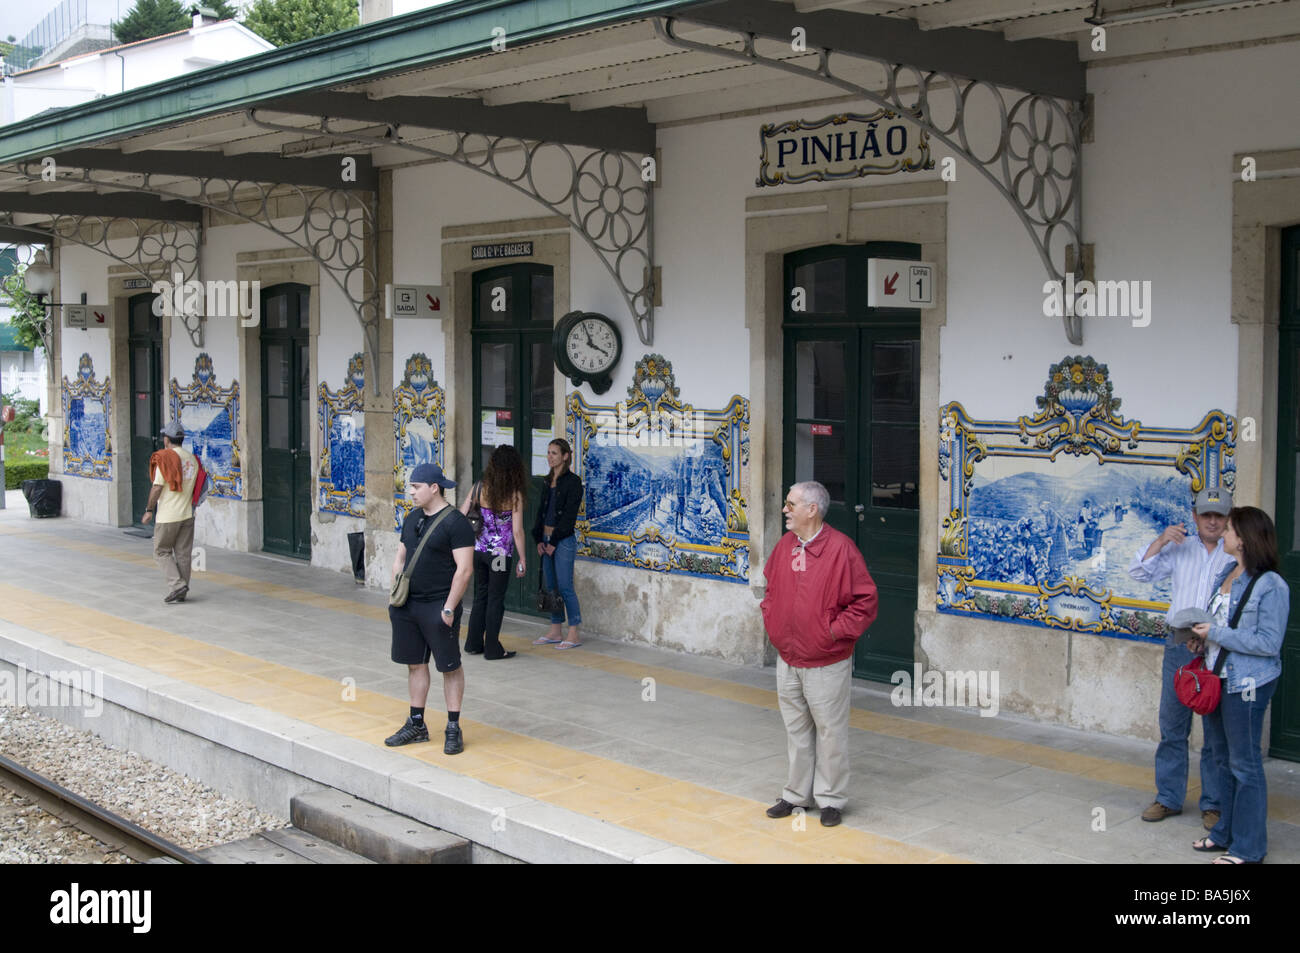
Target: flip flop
[568,645]
[1207,846]
[1229,859]
[545,641]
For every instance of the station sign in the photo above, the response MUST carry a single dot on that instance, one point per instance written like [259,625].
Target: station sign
[501,250]
[897,283]
[415,301]
[843,146]
[85,316]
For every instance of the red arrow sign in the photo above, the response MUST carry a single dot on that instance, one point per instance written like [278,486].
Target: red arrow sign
[435,304]
[99,317]
[891,284]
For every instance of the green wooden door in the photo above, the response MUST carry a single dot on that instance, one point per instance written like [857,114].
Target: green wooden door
[1284,738]
[144,342]
[514,391]
[286,434]
[852,423]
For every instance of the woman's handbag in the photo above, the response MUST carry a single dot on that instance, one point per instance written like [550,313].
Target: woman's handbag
[475,514]
[1198,689]
[401,590]
[548,600]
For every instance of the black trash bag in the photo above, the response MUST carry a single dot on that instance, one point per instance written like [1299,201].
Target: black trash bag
[357,547]
[44,497]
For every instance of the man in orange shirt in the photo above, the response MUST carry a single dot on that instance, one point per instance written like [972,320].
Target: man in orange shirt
[173,470]
[820,599]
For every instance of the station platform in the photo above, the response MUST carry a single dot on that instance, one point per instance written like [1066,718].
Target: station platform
[274,678]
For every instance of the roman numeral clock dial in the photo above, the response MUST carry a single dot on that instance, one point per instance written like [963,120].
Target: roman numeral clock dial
[587,348]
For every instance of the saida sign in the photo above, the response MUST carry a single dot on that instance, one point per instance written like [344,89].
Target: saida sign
[844,146]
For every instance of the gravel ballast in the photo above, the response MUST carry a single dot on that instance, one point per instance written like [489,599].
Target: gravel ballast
[160,800]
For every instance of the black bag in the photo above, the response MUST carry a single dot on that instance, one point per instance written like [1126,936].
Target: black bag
[475,514]
[548,600]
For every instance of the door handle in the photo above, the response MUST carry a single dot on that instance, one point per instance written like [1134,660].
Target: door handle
[859,508]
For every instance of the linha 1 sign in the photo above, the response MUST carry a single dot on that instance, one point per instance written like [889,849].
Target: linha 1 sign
[846,146]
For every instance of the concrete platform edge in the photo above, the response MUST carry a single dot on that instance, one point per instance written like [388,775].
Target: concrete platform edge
[279,757]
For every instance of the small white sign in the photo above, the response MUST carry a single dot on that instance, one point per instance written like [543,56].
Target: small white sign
[415,301]
[85,316]
[896,283]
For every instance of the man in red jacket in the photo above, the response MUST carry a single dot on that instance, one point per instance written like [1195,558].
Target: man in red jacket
[820,599]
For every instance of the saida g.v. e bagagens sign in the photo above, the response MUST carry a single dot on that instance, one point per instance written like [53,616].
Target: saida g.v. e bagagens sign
[844,146]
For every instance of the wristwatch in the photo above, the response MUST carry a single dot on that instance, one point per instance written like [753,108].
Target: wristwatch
[446,611]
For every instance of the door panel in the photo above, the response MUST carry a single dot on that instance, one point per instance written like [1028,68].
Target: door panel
[514,389]
[852,412]
[144,342]
[286,433]
[1284,737]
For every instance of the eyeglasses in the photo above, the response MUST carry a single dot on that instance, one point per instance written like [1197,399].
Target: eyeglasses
[791,504]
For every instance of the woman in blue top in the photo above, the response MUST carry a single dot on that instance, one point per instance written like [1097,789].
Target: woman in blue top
[1250,673]
[556,544]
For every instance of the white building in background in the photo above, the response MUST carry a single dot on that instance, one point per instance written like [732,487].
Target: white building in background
[117,69]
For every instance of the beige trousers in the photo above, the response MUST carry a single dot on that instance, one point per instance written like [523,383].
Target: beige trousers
[815,703]
[173,544]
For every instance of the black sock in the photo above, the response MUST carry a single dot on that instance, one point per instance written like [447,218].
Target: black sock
[417,715]
[453,718]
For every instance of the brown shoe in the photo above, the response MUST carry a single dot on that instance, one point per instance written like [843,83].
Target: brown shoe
[1158,812]
[1210,819]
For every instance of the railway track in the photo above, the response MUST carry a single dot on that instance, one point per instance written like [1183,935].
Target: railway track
[116,831]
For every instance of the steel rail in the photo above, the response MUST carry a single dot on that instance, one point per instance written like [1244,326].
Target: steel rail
[132,839]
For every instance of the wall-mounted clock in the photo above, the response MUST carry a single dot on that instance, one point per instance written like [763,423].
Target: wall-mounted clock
[587,347]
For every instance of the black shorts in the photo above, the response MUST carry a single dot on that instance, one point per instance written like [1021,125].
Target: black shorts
[418,632]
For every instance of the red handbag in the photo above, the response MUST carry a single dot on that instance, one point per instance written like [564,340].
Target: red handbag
[1197,688]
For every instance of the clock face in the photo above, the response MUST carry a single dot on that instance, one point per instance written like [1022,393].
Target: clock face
[591,346]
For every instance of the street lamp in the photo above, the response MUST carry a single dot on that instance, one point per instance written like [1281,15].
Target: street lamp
[38,279]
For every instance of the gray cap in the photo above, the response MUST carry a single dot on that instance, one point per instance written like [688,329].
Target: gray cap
[1212,499]
[174,430]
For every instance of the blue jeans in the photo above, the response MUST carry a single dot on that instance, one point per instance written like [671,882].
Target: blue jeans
[1171,753]
[557,573]
[1238,727]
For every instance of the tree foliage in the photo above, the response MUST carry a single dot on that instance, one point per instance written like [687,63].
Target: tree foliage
[151,18]
[288,21]
[28,315]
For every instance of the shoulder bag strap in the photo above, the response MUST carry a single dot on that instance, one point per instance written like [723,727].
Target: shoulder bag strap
[410,563]
[1232,623]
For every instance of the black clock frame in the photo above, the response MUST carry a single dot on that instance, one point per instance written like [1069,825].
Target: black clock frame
[599,382]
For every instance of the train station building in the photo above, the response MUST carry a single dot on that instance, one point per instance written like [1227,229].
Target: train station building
[1012,282]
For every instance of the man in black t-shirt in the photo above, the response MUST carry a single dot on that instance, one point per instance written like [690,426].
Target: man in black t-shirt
[429,623]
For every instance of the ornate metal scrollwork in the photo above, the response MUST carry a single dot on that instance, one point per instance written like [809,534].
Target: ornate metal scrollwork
[332,226]
[1035,162]
[154,250]
[606,198]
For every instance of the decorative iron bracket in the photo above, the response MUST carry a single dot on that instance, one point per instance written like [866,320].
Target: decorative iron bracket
[607,199]
[157,251]
[336,228]
[1036,163]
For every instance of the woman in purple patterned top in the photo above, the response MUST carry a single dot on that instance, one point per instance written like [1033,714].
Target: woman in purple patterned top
[500,495]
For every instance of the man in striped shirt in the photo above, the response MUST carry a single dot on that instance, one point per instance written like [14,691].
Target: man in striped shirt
[1193,562]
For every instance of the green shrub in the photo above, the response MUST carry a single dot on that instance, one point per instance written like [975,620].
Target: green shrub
[17,472]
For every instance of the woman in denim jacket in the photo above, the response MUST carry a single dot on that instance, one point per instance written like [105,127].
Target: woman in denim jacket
[1250,676]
